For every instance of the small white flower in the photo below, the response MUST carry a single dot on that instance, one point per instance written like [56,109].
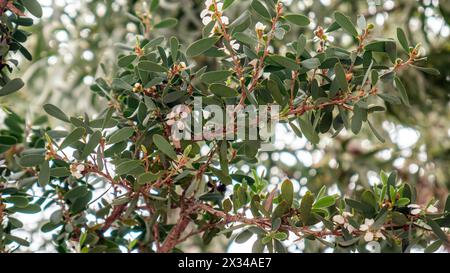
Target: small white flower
[339,219]
[432,209]
[206,20]
[368,237]
[225,20]
[76,170]
[343,221]
[417,209]
[234,45]
[208,3]
[370,233]
[260,27]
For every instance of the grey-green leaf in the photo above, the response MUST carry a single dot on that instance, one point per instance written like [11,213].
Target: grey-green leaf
[164,146]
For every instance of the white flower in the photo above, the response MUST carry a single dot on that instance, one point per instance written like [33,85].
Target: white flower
[234,45]
[76,170]
[177,116]
[417,209]
[343,221]
[432,209]
[260,27]
[339,219]
[225,20]
[373,247]
[371,234]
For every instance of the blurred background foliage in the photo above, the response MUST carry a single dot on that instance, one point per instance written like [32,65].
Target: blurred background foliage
[77,41]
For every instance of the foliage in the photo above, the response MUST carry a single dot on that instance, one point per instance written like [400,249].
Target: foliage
[127,150]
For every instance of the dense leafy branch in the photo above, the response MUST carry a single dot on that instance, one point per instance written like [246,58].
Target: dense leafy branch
[122,173]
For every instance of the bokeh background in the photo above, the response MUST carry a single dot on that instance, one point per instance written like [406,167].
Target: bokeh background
[79,40]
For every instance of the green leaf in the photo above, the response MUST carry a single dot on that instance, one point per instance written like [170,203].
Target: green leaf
[76,192]
[340,79]
[311,63]
[44,174]
[375,132]
[363,207]
[73,137]
[11,87]
[167,23]
[324,202]
[164,146]
[221,90]
[297,19]
[433,247]
[174,46]
[308,130]
[56,112]
[305,207]
[121,135]
[215,76]
[437,230]
[280,210]
[151,66]
[260,9]
[402,90]
[399,218]
[346,24]
[226,4]
[33,7]
[402,39]
[200,46]
[287,192]
[31,160]
[94,140]
[30,209]
[18,240]
[243,237]
[427,70]
[127,167]
[357,119]
[126,60]
[147,178]
[300,47]
[18,201]
[285,62]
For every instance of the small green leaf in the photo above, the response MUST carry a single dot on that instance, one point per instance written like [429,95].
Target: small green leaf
[94,140]
[401,36]
[33,7]
[346,24]
[167,23]
[260,9]
[221,90]
[11,87]
[305,207]
[297,19]
[427,70]
[147,178]
[73,137]
[357,119]
[287,192]
[324,202]
[126,60]
[18,201]
[308,130]
[200,46]
[18,240]
[31,160]
[56,112]
[311,63]
[215,76]
[121,135]
[285,62]
[164,146]
[44,174]
[76,192]
[243,237]
[401,88]
[151,66]
[127,167]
